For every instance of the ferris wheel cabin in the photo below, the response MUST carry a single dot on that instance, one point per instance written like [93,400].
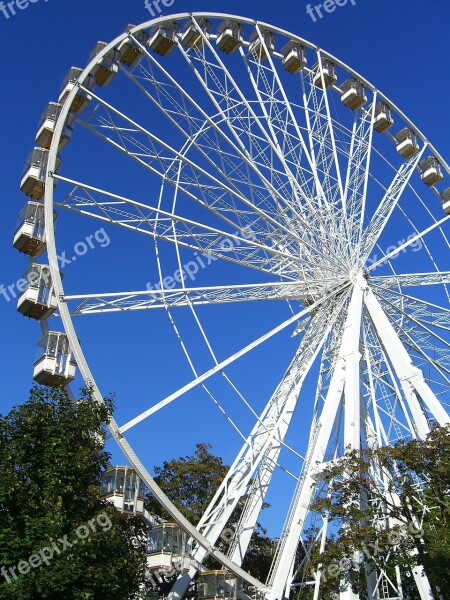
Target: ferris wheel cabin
[445,198]
[229,36]
[326,75]
[164,38]
[29,236]
[167,547]
[130,53]
[192,37]
[33,178]
[82,98]
[407,143]
[215,585]
[383,117]
[55,366]
[294,57]
[353,94]
[47,124]
[123,487]
[38,299]
[106,68]
[261,46]
[430,171]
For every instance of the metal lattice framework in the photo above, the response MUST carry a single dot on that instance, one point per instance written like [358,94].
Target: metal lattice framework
[271,177]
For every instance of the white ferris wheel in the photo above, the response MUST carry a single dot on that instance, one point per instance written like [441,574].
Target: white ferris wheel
[296,223]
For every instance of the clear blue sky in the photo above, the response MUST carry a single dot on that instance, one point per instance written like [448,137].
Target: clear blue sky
[400,46]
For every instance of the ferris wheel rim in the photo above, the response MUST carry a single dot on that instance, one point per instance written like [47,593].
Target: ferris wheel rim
[51,243]
[248,21]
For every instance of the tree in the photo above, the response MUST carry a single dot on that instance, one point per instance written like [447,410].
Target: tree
[191,482]
[58,539]
[388,507]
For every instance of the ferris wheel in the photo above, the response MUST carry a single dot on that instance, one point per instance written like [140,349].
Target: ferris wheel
[295,222]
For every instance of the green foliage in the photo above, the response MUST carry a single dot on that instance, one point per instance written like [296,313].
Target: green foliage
[191,482]
[259,555]
[51,460]
[409,482]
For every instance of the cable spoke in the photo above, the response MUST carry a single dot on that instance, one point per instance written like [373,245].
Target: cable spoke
[417,334]
[303,235]
[203,239]
[278,117]
[358,170]
[425,312]
[247,130]
[387,205]
[161,159]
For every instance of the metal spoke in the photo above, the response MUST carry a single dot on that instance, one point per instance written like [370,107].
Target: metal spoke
[174,298]
[206,240]
[169,172]
[387,205]
[220,366]
[421,310]
[411,280]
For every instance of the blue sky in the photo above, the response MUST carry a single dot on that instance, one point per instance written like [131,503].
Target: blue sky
[400,46]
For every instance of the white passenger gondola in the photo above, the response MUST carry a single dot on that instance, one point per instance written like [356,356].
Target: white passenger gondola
[445,198]
[82,98]
[383,119]
[215,585]
[164,38]
[47,124]
[294,57]
[353,93]
[430,171]
[167,548]
[327,75]
[123,487]
[262,43]
[55,365]
[407,144]
[29,237]
[194,32]
[106,68]
[130,53]
[229,36]
[38,299]
[35,169]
